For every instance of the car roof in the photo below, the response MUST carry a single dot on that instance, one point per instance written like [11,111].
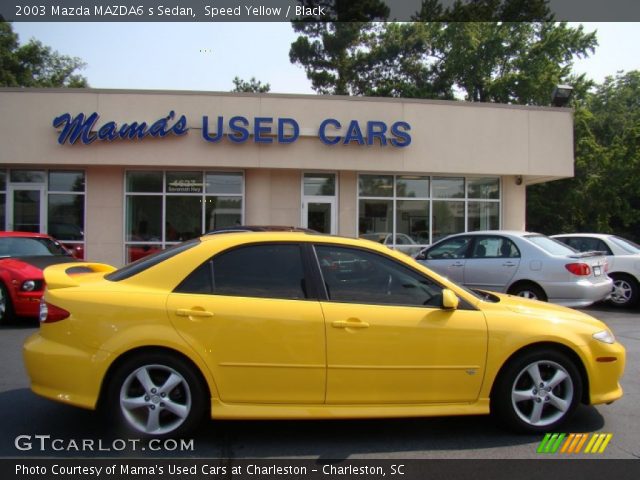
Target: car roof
[24,234]
[259,228]
[578,235]
[514,233]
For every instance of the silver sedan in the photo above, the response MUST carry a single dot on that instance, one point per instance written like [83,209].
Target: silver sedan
[521,263]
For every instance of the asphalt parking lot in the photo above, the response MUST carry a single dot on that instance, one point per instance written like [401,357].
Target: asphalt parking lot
[22,413]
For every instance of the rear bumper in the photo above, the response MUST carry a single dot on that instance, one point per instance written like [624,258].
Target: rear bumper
[581,293]
[64,373]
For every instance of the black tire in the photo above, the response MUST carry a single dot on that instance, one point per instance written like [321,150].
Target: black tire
[6,308]
[525,407]
[528,290]
[625,291]
[161,409]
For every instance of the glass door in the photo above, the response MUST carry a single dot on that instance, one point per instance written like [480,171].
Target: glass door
[319,202]
[319,214]
[26,208]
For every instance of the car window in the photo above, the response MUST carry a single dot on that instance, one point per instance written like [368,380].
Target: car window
[625,244]
[550,245]
[265,271]
[494,247]
[149,261]
[29,247]
[357,276]
[452,248]
[586,244]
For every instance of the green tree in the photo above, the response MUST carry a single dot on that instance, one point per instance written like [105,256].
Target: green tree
[253,85]
[333,49]
[34,64]
[604,195]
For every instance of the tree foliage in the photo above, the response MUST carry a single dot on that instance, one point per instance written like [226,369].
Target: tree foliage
[251,86]
[604,195]
[332,50]
[34,64]
[507,62]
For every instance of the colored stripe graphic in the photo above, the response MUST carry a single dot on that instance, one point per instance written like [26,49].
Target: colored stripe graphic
[574,442]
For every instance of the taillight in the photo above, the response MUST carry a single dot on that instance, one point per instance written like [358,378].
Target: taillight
[580,269]
[50,313]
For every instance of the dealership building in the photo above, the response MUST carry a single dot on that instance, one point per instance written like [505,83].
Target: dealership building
[118,172]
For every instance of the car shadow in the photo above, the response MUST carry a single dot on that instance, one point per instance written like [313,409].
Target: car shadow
[24,413]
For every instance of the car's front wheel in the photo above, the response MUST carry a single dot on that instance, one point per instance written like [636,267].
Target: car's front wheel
[537,391]
[6,309]
[157,395]
[625,291]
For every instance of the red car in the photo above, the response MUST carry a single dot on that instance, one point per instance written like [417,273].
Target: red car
[23,256]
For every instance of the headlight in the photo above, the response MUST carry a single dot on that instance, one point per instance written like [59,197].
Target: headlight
[28,286]
[605,336]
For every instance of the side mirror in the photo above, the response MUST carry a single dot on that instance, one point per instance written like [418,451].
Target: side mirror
[421,256]
[449,299]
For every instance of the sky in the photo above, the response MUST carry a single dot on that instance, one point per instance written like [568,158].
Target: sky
[207,56]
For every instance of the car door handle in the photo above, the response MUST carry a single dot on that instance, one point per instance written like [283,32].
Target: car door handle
[349,324]
[457,264]
[187,312]
[508,264]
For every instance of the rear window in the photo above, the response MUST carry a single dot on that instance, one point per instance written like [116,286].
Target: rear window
[145,263]
[550,245]
[626,245]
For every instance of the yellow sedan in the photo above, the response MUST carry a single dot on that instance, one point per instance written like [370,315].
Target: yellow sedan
[266,325]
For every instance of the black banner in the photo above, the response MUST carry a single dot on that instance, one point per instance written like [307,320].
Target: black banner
[245,469]
[317,10]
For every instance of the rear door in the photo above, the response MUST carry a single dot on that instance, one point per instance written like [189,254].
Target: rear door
[248,314]
[492,263]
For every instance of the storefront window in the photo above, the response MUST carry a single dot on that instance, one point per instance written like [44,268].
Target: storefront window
[407,211]
[44,201]
[164,208]
[376,185]
[483,216]
[320,184]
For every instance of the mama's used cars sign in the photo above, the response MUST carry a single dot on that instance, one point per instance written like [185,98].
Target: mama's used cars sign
[237,129]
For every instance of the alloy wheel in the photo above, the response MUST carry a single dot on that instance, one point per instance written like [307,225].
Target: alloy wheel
[542,393]
[622,292]
[155,399]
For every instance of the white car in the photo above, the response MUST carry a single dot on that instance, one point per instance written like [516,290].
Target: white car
[403,243]
[623,257]
[527,264]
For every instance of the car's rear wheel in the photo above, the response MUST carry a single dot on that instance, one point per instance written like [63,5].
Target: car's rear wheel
[157,395]
[528,290]
[625,290]
[537,391]
[6,309]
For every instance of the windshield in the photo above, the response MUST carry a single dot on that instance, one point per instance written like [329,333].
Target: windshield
[549,245]
[30,247]
[626,245]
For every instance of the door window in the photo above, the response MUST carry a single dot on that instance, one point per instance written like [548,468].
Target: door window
[453,248]
[263,271]
[495,247]
[357,276]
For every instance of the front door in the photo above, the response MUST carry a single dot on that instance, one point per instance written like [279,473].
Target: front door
[388,338]
[26,208]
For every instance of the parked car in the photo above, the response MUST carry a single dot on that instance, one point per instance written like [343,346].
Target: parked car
[293,325]
[623,257]
[23,256]
[403,243]
[521,263]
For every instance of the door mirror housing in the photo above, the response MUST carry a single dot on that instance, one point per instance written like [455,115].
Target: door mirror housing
[449,299]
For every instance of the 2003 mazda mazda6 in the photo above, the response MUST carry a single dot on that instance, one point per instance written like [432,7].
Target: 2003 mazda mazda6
[265,325]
